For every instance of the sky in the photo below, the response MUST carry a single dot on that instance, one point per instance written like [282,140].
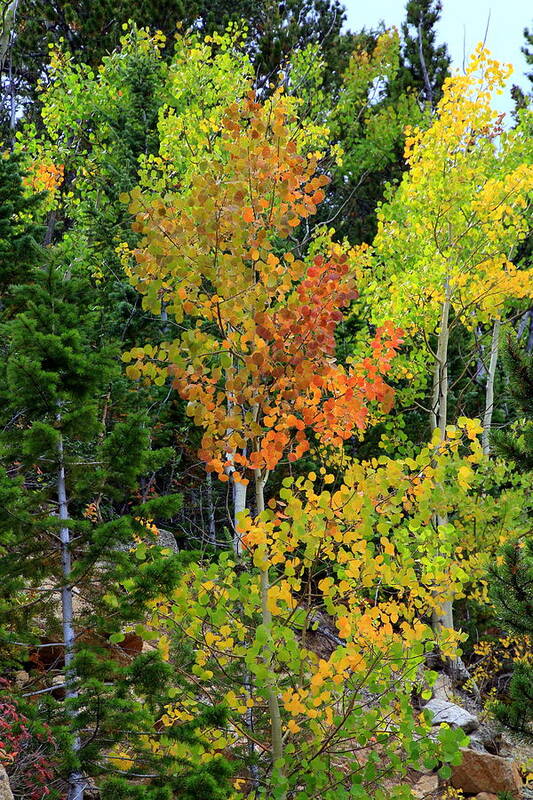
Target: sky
[462,25]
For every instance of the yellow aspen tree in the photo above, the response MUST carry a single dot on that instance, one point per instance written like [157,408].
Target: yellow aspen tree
[445,240]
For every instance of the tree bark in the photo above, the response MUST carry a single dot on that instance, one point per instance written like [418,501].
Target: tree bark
[439,409]
[489,392]
[76,782]
[439,419]
[272,697]
[427,82]
[212,538]
[9,13]
[239,505]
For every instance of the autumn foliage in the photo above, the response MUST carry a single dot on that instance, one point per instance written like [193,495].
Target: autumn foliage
[193,315]
[258,368]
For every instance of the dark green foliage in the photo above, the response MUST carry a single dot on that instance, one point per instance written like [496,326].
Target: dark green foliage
[66,405]
[19,238]
[424,64]
[516,444]
[512,588]
[511,584]
[517,712]
[520,97]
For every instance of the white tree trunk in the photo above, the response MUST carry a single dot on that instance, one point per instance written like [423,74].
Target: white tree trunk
[489,392]
[9,13]
[76,782]
[211,527]
[439,419]
[239,505]
[439,408]
[272,697]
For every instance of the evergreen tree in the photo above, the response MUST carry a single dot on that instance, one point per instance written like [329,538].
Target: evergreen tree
[511,584]
[520,97]
[424,64]
[516,444]
[512,591]
[79,559]
[19,235]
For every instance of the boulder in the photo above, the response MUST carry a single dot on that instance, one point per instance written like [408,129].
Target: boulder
[426,786]
[453,715]
[5,788]
[486,796]
[21,678]
[482,772]
[442,688]
[167,539]
[489,740]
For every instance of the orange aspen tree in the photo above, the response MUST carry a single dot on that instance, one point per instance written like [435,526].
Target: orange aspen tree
[257,365]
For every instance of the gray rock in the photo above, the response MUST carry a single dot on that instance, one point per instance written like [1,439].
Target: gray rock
[5,788]
[21,678]
[453,715]
[442,688]
[167,539]
[489,739]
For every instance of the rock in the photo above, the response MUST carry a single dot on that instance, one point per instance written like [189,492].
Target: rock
[426,786]
[453,715]
[5,788]
[477,743]
[486,796]
[21,678]
[458,672]
[442,688]
[489,740]
[482,772]
[167,539]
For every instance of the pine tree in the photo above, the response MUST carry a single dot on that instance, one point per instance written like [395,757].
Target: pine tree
[516,444]
[512,591]
[19,236]
[79,559]
[521,97]
[424,64]
[511,583]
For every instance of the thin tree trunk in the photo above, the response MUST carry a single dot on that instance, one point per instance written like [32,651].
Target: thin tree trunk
[239,505]
[9,14]
[239,495]
[441,368]
[443,618]
[272,697]
[427,82]
[489,392]
[164,319]
[439,419]
[76,788]
[439,402]
[211,527]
